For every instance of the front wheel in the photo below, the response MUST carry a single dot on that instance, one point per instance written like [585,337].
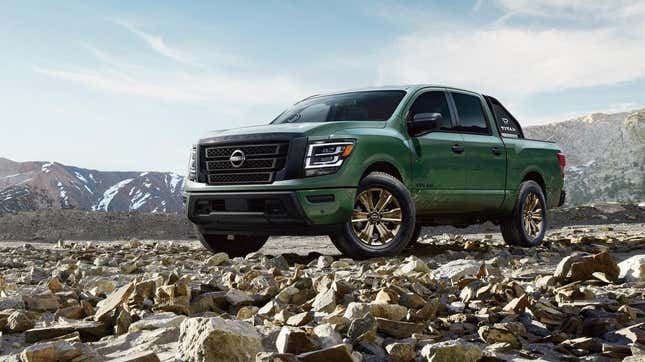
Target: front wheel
[233,245]
[382,221]
[526,225]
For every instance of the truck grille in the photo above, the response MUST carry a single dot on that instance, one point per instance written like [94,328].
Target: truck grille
[250,164]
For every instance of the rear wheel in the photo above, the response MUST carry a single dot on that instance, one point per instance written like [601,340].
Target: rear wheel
[233,245]
[526,225]
[382,222]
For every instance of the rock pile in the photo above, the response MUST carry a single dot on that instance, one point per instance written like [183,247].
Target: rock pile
[457,299]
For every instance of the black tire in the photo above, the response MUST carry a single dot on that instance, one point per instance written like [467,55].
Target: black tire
[349,244]
[414,240]
[233,245]
[512,226]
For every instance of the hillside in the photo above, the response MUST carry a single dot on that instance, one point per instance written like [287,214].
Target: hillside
[605,155]
[29,186]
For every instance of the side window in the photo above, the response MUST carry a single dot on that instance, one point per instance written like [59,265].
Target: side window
[470,114]
[433,102]
[508,125]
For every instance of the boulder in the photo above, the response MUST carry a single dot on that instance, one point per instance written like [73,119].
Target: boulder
[452,351]
[294,340]
[456,269]
[216,339]
[158,320]
[493,335]
[88,331]
[633,268]
[217,259]
[582,266]
[401,352]
[338,353]
[58,351]
[398,329]
[115,299]
[18,321]
[42,302]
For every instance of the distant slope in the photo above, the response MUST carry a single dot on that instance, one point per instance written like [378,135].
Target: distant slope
[605,155]
[29,186]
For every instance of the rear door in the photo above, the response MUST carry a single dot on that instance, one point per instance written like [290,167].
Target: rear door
[439,176]
[485,163]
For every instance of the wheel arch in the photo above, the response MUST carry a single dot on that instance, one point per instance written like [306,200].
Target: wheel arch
[385,167]
[538,178]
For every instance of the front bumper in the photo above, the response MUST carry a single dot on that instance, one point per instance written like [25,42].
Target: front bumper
[284,212]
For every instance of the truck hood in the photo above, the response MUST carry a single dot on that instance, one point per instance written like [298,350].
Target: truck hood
[289,129]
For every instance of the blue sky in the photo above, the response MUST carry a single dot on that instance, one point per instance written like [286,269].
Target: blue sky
[131,85]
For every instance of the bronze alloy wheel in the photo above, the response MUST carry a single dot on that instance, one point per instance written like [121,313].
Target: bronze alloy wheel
[532,216]
[377,217]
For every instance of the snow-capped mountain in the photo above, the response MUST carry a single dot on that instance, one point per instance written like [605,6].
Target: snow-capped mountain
[605,155]
[26,186]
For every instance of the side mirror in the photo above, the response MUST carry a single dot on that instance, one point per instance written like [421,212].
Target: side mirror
[425,122]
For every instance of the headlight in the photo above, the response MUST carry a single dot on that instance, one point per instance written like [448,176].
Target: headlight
[326,157]
[192,164]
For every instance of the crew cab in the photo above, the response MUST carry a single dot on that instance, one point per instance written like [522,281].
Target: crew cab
[371,167]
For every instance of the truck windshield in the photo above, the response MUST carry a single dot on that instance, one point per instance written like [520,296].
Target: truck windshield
[354,106]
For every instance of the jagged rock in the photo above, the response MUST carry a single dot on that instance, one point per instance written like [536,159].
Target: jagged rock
[357,310]
[338,353]
[58,351]
[54,285]
[217,339]
[398,329]
[18,321]
[238,298]
[112,301]
[294,340]
[394,312]
[324,261]
[88,331]
[275,357]
[12,302]
[300,319]
[362,328]
[217,259]
[401,352]
[633,268]
[145,356]
[411,266]
[452,351]
[325,301]
[122,322]
[456,269]
[42,302]
[581,266]
[327,335]
[492,335]
[158,320]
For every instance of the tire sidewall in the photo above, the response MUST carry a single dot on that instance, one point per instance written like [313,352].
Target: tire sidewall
[406,231]
[526,189]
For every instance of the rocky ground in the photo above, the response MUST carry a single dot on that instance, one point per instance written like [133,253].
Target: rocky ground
[459,298]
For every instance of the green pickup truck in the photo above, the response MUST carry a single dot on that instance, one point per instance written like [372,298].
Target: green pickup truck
[371,167]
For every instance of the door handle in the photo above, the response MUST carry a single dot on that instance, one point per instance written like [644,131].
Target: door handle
[496,151]
[457,148]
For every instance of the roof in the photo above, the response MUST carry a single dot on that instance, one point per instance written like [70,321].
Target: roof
[404,87]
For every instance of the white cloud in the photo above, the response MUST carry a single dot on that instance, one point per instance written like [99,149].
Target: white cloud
[157,43]
[517,61]
[574,9]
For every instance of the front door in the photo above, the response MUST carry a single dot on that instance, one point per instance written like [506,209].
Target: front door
[438,172]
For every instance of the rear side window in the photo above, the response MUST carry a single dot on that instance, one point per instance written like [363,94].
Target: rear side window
[508,125]
[433,102]
[470,114]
